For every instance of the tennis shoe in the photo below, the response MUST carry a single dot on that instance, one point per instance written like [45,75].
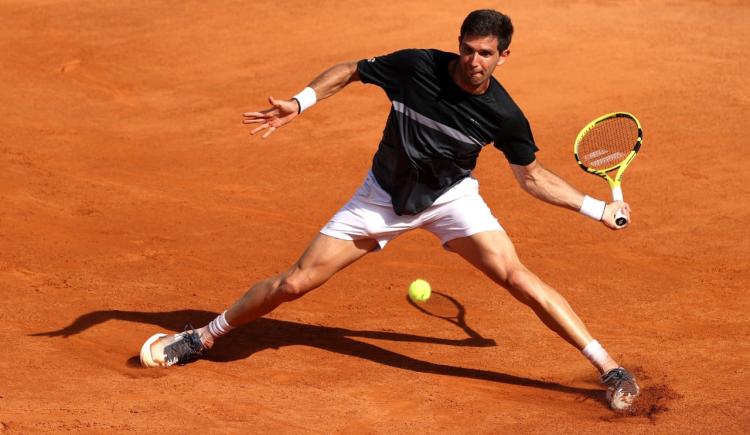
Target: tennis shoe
[162,350]
[622,388]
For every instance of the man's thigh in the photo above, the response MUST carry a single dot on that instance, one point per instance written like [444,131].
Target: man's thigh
[327,255]
[492,252]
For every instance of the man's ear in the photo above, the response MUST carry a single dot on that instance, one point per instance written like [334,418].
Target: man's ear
[503,56]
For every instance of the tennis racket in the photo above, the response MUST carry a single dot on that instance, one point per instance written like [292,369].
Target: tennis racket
[606,144]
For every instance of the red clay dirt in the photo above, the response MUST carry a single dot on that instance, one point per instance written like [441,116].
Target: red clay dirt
[134,201]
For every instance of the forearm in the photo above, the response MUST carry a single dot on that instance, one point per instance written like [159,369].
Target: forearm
[544,185]
[283,112]
[334,79]
[548,187]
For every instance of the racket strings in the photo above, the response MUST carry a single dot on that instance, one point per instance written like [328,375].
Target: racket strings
[608,143]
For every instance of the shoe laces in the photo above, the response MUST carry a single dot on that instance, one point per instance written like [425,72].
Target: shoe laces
[185,349]
[615,375]
[620,379]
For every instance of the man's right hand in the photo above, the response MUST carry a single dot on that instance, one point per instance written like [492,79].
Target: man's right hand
[281,112]
[611,209]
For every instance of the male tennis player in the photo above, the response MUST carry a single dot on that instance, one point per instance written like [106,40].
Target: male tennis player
[445,108]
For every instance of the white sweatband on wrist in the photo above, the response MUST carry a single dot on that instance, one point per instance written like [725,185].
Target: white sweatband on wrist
[306,99]
[593,208]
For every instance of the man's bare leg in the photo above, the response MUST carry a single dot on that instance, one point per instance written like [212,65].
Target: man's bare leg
[493,253]
[323,258]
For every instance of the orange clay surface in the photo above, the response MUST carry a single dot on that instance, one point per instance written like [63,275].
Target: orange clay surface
[133,201]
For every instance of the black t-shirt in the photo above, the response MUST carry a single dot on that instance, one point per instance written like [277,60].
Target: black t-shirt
[436,130]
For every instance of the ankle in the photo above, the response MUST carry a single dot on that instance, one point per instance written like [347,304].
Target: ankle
[206,338]
[599,357]
[609,366]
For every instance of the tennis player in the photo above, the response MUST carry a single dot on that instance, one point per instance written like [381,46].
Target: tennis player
[445,108]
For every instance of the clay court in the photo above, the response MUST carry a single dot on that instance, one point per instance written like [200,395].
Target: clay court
[135,201]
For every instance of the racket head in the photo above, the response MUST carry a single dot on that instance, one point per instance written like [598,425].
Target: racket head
[607,143]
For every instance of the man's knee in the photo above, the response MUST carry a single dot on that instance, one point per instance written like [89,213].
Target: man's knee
[525,286]
[294,286]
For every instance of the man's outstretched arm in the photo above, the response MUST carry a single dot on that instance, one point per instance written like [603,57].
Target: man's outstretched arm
[282,112]
[543,184]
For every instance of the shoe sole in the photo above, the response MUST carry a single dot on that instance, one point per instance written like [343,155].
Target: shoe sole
[147,359]
[621,402]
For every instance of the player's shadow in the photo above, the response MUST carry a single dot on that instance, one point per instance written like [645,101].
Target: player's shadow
[265,333]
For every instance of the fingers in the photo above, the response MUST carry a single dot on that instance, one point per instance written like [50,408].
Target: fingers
[264,118]
[620,205]
[270,119]
[261,128]
[263,114]
[253,121]
[256,117]
[252,115]
[613,211]
[265,126]
[268,133]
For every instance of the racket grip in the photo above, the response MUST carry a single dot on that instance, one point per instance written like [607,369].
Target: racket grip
[617,193]
[620,219]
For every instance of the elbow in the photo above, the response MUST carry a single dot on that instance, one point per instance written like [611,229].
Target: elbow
[529,176]
[526,181]
[353,73]
[528,185]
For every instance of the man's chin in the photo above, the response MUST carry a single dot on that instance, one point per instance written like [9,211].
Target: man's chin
[477,80]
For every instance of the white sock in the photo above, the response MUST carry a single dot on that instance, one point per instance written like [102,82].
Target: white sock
[598,356]
[219,326]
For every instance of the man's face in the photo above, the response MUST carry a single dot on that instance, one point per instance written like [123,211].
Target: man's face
[478,57]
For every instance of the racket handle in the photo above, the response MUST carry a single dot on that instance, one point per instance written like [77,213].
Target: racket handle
[617,193]
[620,218]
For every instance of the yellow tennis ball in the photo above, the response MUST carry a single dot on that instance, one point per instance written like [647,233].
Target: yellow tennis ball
[419,290]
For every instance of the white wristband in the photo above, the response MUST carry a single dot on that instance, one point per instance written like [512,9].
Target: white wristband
[593,208]
[306,99]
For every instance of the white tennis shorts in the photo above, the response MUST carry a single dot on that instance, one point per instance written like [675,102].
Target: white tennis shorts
[459,212]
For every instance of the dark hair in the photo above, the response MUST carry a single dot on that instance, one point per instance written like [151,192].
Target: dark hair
[488,22]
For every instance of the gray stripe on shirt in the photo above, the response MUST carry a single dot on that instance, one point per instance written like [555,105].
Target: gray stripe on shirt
[427,122]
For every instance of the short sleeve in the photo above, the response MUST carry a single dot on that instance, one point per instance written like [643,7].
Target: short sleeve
[389,72]
[515,140]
